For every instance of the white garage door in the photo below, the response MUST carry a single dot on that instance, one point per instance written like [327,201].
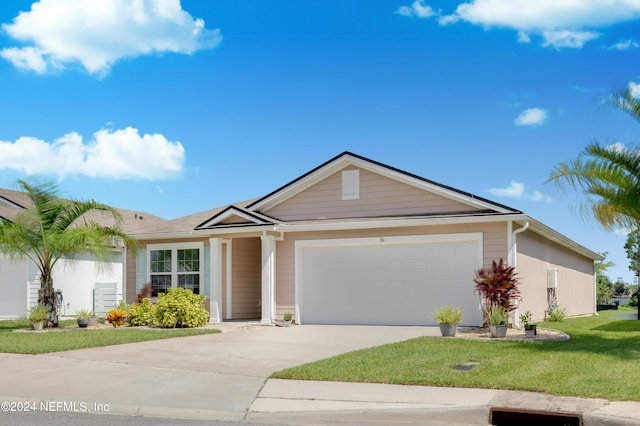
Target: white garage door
[391,280]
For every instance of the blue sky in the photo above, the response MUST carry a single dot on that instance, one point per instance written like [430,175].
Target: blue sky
[176,107]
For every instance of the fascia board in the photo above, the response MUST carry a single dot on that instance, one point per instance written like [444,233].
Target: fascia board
[338,226]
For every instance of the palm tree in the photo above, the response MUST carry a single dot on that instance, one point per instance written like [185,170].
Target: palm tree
[53,228]
[608,174]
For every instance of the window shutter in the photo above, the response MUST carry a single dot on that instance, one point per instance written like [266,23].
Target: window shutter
[141,268]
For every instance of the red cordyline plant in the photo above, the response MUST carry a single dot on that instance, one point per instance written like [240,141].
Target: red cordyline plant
[497,285]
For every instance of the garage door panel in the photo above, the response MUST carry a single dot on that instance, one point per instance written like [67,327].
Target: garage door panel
[391,283]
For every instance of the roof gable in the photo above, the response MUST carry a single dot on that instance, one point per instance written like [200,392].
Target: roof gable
[233,216]
[349,160]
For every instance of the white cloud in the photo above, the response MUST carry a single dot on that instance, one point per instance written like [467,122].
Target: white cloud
[523,37]
[616,147]
[624,45]
[97,34]
[417,8]
[566,38]
[634,89]
[115,154]
[560,23]
[517,190]
[531,117]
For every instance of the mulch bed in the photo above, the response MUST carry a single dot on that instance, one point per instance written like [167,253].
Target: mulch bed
[544,335]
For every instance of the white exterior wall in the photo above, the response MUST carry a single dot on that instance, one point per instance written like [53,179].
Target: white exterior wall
[19,284]
[78,278]
[13,288]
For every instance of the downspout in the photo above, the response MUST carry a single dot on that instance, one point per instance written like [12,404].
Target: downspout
[516,316]
[595,288]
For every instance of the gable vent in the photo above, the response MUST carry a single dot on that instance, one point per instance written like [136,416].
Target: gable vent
[350,184]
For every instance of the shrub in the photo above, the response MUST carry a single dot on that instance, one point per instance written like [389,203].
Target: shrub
[141,314]
[448,315]
[557,314]
[116,317]
[38,313]
[122,305]
[179,307]
[144,293]
[497,315]
[84,314]
[497,285]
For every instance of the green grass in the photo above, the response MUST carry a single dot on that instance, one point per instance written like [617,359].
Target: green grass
[55,341]
[600,361]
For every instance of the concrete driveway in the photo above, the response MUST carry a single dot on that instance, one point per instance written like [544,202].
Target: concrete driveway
[211,376]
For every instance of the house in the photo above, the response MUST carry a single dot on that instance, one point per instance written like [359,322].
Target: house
[83,283]
[355,241]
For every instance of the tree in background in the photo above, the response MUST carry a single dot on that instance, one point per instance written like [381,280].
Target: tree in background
[53,229]
[632,246]
[604,287]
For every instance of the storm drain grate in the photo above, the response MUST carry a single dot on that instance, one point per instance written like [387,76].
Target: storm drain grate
[509,416]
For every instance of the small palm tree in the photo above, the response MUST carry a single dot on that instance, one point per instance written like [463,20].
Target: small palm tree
[52,229]
[608,175]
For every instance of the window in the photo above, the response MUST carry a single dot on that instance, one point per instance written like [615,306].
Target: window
[172,266]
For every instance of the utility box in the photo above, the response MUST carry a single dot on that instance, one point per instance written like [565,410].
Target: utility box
[552,277]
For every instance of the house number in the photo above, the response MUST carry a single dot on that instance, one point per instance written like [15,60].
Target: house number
[382,239]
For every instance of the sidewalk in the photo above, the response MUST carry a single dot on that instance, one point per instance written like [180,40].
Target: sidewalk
[307,402]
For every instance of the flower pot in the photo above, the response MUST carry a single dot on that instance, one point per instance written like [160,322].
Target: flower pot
[530,332]
[82,323]
[498,331]
[93,320]
[38,326]
[448,330]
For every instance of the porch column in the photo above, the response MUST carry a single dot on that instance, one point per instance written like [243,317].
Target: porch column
[268,279]
[215,279]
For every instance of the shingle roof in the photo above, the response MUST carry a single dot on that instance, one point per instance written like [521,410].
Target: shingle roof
[134,222]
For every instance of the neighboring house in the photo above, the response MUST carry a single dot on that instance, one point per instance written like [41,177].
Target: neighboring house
[83,282]
[355,241]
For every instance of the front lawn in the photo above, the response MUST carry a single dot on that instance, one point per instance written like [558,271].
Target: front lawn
[65,340]
[600,361]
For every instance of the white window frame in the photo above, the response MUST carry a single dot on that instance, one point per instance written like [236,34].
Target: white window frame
[174,247]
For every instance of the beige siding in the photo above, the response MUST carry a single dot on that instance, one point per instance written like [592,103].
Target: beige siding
[494,247]
[246,278]
[379,196]
[130,277]
[575,290]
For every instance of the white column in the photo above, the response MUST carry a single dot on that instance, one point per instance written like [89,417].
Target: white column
[215,279]
[268,279]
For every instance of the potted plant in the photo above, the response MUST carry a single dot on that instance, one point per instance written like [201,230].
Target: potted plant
[83,316]
[37,315]
[448,319]
[530,329]
[497,318]
[287,317]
